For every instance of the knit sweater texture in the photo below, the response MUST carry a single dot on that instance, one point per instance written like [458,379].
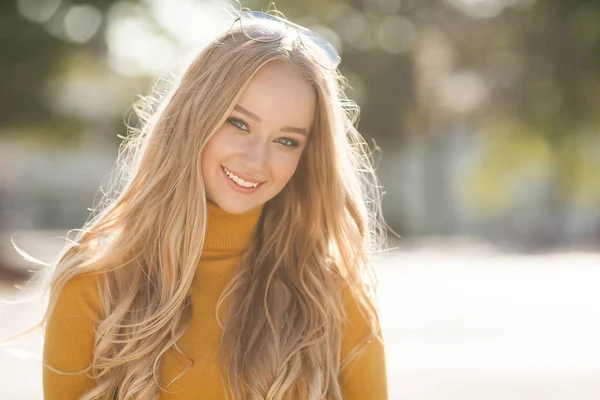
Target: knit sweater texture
[69,334]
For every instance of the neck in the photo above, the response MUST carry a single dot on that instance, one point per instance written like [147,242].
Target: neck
[227,232]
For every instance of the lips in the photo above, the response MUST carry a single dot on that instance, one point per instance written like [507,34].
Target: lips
[240,189]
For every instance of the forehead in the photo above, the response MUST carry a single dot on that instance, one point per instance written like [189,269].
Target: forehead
[279,97]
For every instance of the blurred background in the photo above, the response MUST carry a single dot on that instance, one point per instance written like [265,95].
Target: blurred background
[487,117]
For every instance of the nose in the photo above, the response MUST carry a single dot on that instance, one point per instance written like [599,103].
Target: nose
[254,156]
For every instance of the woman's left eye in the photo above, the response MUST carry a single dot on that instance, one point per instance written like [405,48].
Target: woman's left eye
[287,142]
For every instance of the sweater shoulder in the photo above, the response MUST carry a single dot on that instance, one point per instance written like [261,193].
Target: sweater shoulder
[78,297]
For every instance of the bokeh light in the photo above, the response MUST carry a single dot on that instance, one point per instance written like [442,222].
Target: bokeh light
[397,34]
[82,23]
[38,10]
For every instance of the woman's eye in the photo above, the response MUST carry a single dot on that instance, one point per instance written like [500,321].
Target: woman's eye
[288,142]
[243,126]
[238,123]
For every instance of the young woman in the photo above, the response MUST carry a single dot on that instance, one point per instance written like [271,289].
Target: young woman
[234,261]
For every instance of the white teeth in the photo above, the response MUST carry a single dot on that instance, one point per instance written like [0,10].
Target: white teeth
[239,180]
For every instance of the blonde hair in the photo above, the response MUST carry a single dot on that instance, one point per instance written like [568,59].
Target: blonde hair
[283,327]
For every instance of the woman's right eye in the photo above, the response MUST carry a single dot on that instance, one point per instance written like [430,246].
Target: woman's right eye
[238,123]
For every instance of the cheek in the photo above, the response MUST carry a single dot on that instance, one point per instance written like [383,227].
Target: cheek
[217,147]
[212,155]
[285,166]
[207,158]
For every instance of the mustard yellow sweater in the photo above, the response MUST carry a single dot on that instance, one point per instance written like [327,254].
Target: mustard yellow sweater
[69,335]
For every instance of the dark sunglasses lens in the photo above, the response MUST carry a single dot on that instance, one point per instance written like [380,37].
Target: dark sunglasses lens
[324,52]
[262,27]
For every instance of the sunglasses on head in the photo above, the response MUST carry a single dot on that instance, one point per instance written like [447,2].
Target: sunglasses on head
[263,27]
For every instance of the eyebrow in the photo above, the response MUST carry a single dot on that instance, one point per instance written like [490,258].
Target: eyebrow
[255,117]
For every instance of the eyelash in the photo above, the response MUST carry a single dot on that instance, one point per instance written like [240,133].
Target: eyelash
[236,122]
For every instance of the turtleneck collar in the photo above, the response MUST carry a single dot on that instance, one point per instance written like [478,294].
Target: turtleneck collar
[227,232]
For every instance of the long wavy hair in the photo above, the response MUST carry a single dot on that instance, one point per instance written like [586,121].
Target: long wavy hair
[283,326]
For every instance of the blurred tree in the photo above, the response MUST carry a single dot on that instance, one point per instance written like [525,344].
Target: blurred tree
[418,68]
[29,56]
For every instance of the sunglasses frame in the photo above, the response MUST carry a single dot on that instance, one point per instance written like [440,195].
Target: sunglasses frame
[302,32]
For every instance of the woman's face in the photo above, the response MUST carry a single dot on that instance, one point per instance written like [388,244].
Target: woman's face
[253,155]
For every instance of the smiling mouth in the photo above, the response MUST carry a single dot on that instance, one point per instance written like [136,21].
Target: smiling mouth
[240,181]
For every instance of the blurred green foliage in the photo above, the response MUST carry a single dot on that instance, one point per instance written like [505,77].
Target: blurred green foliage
[556,45]
[524,77]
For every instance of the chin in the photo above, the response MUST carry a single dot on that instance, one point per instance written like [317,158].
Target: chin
[236,207]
